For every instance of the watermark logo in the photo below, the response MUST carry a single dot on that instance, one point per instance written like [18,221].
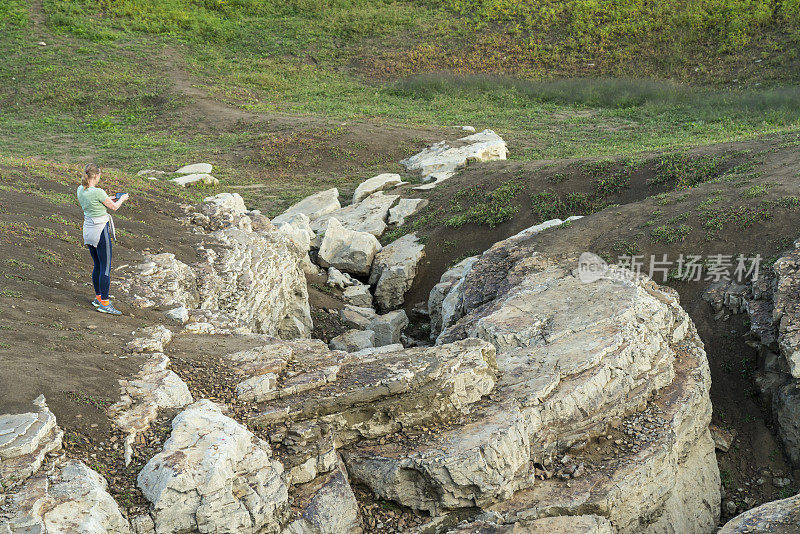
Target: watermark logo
[686,267]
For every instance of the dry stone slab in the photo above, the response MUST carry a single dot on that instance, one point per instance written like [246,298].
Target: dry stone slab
[313,207]
[155,387]
[369,215]
[194,168]
[74,498]
[775,517]
[394,269]
[214,475]
[375,184]
[563,524]
[195,180]
[377,393]
[388,327]
[25,440]
[405,207]
[440,161]
[358,295]
[353,340]
[347,250]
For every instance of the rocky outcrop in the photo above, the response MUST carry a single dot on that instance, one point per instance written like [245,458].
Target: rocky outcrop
[773,302]
[214,476]
[375,184]
[347,250]
[25,441]
[394,269]
[73,498]
[152,389]
[440,161]
[776,517]
[449,288]
[313,207]
[572,359]
[250,275]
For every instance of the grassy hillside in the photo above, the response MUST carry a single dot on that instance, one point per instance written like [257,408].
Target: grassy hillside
[120,80]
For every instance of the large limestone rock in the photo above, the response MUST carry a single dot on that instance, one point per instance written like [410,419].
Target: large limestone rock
[314,206]
[368,215]
[448,288]
[194,180]
[353,340]
[572,358]
[347,250]
[328,506]
[405,207]
[440,161]
[358,295]
[371,394]
[250,275]
[203,168]
[154,388]
[375,184]
[25,440]
[73,498]
[388,327]
[394,269]
[775,517]
[214,476]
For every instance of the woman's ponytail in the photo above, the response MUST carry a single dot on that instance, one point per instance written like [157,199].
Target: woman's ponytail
[90,170]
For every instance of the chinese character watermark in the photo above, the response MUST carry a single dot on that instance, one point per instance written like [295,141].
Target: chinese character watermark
[686,267]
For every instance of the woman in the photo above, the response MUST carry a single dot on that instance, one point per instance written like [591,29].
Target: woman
[98,231]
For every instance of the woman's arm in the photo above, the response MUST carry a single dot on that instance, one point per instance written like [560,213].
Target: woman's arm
[115,204]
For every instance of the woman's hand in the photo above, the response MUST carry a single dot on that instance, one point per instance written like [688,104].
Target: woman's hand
[115,204]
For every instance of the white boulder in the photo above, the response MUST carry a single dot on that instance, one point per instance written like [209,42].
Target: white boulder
[440,161]
[314,206]
[394,269]
[369,215]
[73,499]
[192,180]
[347,250]
[358,295]
[195,168]
[375,184]
[214,475]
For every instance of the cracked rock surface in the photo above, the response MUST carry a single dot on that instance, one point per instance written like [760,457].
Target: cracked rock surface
[214,475]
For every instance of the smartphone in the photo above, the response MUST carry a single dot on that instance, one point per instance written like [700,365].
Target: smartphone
[118,195]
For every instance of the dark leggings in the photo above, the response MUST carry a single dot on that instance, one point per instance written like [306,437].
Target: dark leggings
[101,255]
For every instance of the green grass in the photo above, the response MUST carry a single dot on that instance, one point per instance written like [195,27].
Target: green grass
[99,89]
[497,208]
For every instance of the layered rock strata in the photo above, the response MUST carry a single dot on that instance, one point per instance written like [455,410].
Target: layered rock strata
[249,272]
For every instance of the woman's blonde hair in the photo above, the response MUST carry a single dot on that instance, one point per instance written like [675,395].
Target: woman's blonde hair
[90,170]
